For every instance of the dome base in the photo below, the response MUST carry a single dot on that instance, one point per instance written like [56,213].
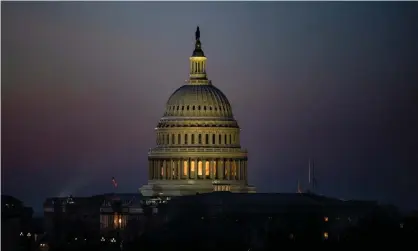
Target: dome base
[192,187]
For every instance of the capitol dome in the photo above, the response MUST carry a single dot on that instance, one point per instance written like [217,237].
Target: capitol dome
[198,101]
[198,147]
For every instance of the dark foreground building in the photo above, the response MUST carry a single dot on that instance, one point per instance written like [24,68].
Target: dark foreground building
[16,220]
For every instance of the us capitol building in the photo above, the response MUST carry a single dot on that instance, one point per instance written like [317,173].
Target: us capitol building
[198,140]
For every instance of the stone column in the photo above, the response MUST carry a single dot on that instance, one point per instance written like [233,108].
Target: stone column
[246,170]
[203,168]
[179,173]
[154,169]
[221,171]
[189,166]
[170,168]
[196,167]
[240,170]
[228,169]
[149,170]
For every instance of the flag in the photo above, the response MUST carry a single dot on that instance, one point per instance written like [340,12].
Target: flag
[115,184]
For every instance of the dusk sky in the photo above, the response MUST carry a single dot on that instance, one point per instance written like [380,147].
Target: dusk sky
[85,83]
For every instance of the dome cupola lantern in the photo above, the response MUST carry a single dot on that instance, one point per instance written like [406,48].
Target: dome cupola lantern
[198,63]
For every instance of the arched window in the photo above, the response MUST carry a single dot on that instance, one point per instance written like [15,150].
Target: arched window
[200,139]
[230,139]
[220,139]
[187,107]
[192,139]
[213,138]
[192,168]
[207,169]
[199,168]
[172,139]
[225,139]
[207,139]
[178,138]
[185,168]
[233,170]
[185,139]
[214,168]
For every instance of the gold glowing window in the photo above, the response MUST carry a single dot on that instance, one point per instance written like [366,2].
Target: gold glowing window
[192,167]
[326,219]
[199,168]
[207,168]
[326,235]
[185,168]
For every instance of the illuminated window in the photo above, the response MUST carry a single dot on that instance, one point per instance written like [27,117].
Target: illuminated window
[234,169]
[325,219]
[199,168]
[192,168]
[185,168]
[325,235]
[207,169]
[214,168]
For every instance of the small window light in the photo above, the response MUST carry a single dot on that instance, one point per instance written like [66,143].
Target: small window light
[326,235]
[326,219]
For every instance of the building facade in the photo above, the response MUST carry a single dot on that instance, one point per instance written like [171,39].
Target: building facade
[198,140]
